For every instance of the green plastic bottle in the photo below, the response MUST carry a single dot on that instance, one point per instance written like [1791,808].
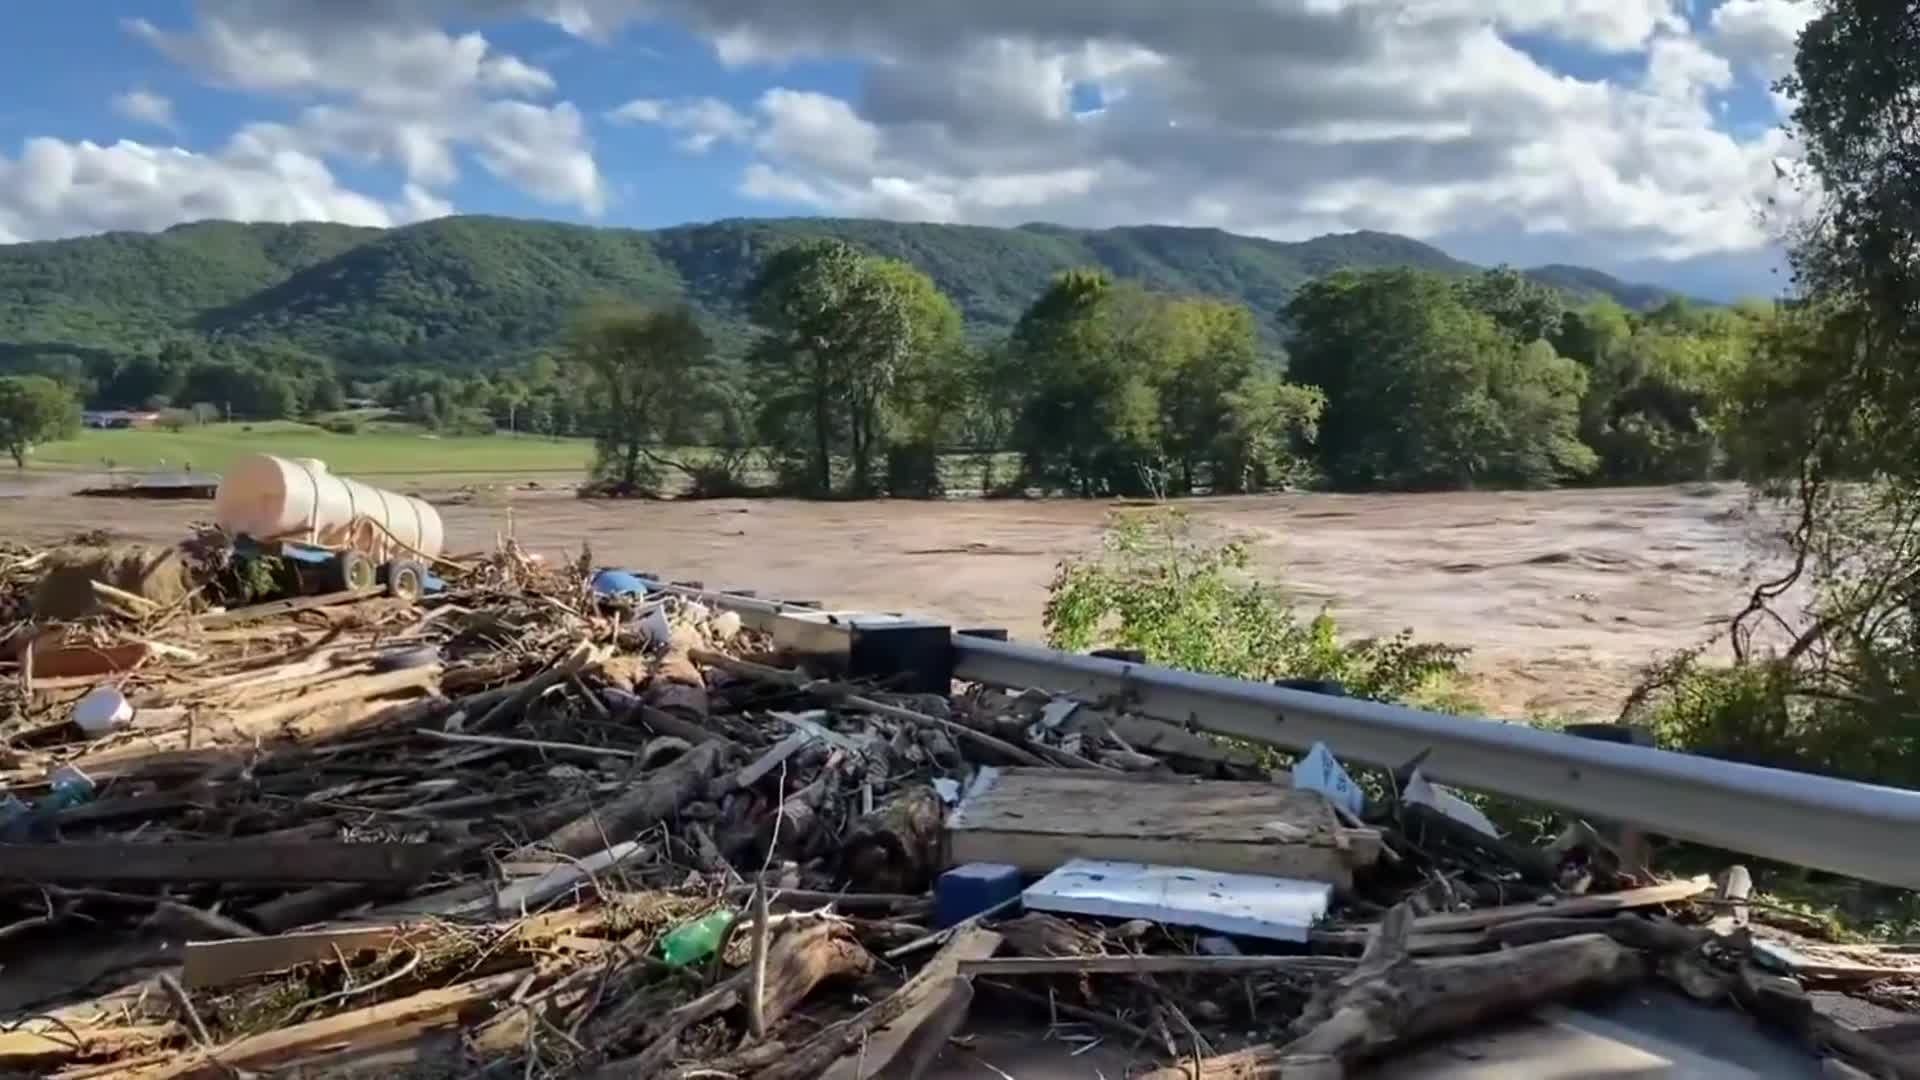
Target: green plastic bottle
[694,941]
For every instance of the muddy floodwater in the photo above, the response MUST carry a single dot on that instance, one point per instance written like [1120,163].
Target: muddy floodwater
[1561,595]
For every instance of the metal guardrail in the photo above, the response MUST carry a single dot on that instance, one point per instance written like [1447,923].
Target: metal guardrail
[1842,826]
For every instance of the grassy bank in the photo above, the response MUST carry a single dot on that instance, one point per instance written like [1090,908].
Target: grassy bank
[383,448]
[387,449]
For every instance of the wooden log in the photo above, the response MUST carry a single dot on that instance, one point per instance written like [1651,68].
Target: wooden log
[540,745]
[798,961]
[1390,999]
[897,847]
[1650,935]
[819,1054]
[905,1046]
[667,723]
[656,797]
[223,862]
[1671,892]
[583,657]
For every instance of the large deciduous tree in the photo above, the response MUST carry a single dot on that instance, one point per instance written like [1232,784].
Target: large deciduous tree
[843,333]
[34,409]
[1424,391]
[641,369]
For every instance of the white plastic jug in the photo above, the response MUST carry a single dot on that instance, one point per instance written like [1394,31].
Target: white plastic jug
[274,498]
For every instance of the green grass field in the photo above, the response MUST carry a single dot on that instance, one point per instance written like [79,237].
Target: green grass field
[386,450]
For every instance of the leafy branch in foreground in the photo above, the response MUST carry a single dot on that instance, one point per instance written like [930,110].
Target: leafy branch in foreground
[1189,602]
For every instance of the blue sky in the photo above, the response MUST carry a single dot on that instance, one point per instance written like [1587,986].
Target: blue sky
[1634,135]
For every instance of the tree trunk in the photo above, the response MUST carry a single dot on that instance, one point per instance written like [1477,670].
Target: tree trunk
[657,796]
[1390,1000]
[895,849]
[822,429]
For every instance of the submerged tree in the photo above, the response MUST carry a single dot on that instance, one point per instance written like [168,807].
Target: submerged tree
[34,409]
[842,332]
[642,368]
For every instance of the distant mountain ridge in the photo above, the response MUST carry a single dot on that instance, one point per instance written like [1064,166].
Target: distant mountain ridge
[482,290]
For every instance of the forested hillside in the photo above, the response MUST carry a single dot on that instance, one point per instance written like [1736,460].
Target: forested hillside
[475,291]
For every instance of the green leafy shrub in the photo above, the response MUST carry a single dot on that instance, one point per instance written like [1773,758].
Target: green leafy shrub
[1189,602]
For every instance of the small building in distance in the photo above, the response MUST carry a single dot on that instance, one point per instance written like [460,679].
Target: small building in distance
[119,418]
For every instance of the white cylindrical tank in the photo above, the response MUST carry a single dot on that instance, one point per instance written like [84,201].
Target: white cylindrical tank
[275,498]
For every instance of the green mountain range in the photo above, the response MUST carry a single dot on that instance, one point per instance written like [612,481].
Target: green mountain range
[481,290]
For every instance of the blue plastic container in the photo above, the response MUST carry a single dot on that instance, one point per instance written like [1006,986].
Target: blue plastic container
[971,889]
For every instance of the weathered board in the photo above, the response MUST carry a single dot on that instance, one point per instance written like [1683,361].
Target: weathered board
[1037,819]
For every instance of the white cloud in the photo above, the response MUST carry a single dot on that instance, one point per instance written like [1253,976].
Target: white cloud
[395,89]
[60,188]
[264,47]
[144,107]
[1281,117]
[542,151]
[1680,69]
[702,122]
[1760,35]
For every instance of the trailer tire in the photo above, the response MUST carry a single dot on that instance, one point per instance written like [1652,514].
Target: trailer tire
[351,570]
[406,579]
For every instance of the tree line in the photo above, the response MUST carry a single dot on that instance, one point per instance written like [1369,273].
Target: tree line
[860,383]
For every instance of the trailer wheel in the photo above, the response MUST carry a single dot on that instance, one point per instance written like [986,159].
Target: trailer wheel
[406,579]
[351,570]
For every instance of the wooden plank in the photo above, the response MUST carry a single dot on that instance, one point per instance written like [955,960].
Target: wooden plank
[219,963]
[885,1044]
[515,899]
[223,862]
[1671,892]
[88,661]
[50,1044]
[273,609]
[1037,819]
[1150,965]
[1355,939]
[355,1030]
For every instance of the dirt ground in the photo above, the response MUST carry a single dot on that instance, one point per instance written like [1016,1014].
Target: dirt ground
[1562,595]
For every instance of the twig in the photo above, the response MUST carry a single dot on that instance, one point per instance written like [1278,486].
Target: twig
[757,984]
[187,1012]
[939,936]
[526,744]
[413,961]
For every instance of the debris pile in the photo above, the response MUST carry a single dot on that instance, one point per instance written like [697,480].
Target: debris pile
[526,827]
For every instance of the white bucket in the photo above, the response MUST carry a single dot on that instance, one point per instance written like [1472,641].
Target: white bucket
[102,710]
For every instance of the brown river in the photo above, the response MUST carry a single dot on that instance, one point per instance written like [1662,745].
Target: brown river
[1561,595]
